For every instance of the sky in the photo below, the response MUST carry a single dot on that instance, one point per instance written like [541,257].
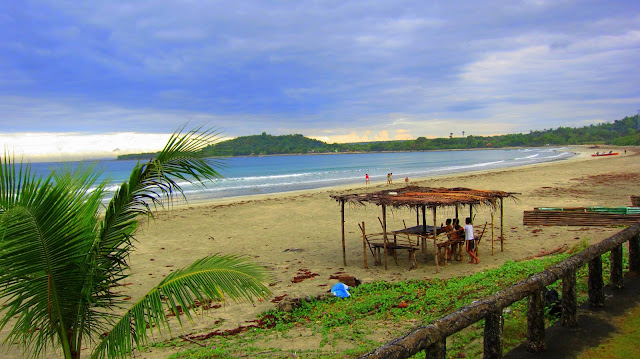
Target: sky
[94,79]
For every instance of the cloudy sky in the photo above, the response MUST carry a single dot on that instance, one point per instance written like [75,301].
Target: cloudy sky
[104,77]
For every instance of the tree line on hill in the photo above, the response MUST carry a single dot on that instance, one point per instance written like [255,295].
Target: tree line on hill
[622,132]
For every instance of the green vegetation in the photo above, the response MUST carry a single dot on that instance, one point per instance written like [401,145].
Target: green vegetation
[623,343]
[619,133]
[63,260]
[347,328]
[265,144]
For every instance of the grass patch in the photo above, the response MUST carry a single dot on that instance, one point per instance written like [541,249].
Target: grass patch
[372,316]
[621,344]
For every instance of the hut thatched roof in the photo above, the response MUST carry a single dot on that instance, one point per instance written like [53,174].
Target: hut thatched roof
[412,196]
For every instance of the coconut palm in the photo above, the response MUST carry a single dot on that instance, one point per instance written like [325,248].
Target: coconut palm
[63,255]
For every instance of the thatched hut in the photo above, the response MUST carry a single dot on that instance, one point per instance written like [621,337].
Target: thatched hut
[423,198]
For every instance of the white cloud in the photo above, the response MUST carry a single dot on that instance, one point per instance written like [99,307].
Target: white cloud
[77,146]
[428,68]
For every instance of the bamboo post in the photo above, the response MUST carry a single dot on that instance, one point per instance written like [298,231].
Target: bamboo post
[344,250]
[417,216]
[384,233]
[634,254]
[423,244]
[493,325]
[364,245]
[569,300]
[535,323]
[471,213]
[413,261]
[457,211]
[492,236]
[596,284]
[616,278]
[501,225]
[435,237]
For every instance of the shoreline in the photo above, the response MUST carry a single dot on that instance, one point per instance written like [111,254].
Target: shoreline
[580,154]
[365,152]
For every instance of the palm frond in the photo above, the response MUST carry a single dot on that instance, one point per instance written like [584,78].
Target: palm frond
[45,229]
[215,278]
[153,183]
[149,186]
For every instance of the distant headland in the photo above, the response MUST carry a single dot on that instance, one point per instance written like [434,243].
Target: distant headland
[622,132]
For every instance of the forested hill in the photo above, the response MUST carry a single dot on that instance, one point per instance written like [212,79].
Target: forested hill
[619,133]
[265,144]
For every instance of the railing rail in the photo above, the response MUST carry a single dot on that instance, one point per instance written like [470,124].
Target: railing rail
[432,337]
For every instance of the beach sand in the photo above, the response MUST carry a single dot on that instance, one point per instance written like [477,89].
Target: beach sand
[300,232]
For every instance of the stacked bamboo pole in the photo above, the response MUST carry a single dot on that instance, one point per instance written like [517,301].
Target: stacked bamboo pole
[564,218]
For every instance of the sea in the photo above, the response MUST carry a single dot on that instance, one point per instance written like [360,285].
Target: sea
[254,175]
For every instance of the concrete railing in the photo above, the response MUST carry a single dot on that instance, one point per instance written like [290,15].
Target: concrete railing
[432,338]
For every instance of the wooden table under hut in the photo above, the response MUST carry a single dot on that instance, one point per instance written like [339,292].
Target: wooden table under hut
[417,237]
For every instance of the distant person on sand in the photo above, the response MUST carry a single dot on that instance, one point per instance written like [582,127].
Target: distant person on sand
[470,241]
[391,178]
[406,181]
[366,179]
[388,179]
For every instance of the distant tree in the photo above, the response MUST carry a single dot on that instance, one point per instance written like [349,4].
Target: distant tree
[462,133]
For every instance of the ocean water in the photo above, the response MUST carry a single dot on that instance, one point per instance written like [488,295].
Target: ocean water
[275,174]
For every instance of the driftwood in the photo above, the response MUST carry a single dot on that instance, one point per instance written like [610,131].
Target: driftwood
[437,332]
[565,218]
[563,248]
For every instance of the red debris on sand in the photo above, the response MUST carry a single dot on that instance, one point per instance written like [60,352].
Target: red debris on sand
[210,304]
[278,298]
[303,274]
[266,322]
[335,275]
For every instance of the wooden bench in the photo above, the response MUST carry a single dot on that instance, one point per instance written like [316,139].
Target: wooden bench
[391,243]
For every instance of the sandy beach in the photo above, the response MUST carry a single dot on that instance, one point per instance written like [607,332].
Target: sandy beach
[297,233]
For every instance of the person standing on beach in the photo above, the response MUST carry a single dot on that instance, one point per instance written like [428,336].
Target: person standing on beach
[366,179]
[388,179]
[391,178]
[406,181]
[470,241]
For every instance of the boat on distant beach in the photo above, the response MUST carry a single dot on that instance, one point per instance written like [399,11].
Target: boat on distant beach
[597,154]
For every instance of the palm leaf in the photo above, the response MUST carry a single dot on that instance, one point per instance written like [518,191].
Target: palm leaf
[211,278]
[150,185]
[45,229]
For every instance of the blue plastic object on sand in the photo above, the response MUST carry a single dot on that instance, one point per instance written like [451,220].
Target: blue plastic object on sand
[340,290]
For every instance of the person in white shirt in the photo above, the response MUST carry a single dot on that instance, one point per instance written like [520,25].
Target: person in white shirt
[470,242]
